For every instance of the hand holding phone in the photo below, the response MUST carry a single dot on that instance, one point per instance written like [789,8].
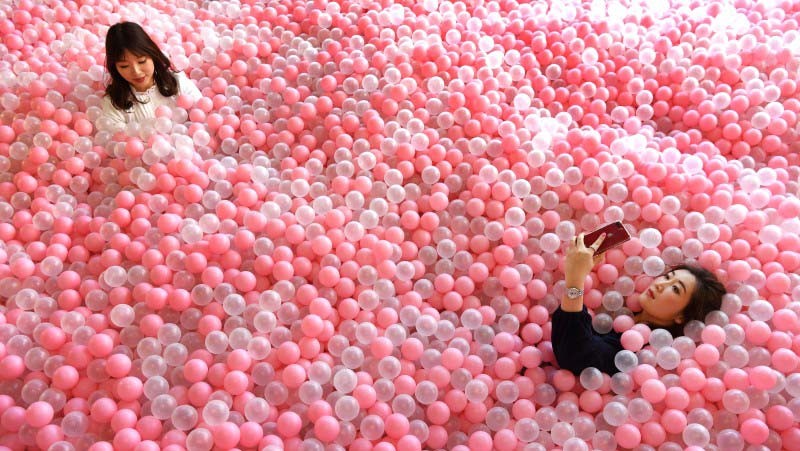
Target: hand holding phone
[615,235]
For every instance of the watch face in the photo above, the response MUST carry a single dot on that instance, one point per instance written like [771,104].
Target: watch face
[573,293]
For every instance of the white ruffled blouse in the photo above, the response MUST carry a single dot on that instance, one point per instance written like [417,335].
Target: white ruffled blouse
[139,111]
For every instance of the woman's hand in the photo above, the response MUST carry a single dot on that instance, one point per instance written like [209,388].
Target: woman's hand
[580,260]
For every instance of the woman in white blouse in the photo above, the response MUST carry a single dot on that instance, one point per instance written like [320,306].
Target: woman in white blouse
[142,78]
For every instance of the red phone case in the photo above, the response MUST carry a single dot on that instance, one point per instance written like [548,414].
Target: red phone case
[615,235]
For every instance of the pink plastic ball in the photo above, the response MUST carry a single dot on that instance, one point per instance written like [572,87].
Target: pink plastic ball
[632,340]
[754,431]
[39,414]
[289,424]
[628,435]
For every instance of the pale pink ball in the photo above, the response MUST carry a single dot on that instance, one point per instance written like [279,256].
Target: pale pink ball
[763,377]
[628,435]
[39,414]
[706,354]
[693,379]
[127,439]
[396,425]
[674,421]
[505,440]
[623,323]
[129,388]
[480,441]
[754,431]
[409,443]
[289,424]
[632,340]
[654,391]
[226,435]
[713,335]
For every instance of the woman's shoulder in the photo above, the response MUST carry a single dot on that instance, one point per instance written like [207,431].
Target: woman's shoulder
[181,77]
[186,85]
[106,103]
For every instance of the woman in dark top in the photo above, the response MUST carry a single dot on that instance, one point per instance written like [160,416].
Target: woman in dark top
[683,294]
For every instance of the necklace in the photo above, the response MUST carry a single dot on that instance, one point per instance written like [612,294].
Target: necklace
[144,97]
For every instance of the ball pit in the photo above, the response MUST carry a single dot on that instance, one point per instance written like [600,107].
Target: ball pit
[353,240]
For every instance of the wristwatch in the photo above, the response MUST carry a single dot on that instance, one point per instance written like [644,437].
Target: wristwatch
[574,293]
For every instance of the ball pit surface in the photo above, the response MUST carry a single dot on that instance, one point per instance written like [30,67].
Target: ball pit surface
[354,239]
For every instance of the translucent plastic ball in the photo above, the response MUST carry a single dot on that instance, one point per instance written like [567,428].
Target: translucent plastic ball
[345,380]
[544,394]
[256,410]
[567,411]
[476,391]
[793,385]
[565,230]
[653,266]
[730,439]
[736,401]
[575,444]
[615,413]
[497,418]
[75,424]
[760,310]
[215,413]
[602,323]
[613,301]
[696,435]
[660,338]
[163,406]
[184,417]
[549,242]
[507,392]
[199,439]
[122,315]
[546,418]
[640,410]
[626,361]
[216,342]
[561,432]
[372,427]
[622,383]
[526,430]
[426,392]
[708,233]
[668,358]
[346,408]
[471,319]
[650,238]
[685,347]
[591,378]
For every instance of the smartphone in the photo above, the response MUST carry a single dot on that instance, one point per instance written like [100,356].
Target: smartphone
[615,235]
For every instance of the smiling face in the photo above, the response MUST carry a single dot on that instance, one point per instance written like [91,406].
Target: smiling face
[136,70]
[663,302]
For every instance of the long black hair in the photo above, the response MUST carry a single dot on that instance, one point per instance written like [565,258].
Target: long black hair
[131,37]
[705,298]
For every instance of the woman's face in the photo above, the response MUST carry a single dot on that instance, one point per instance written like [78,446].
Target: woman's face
[667,296]
[136,70]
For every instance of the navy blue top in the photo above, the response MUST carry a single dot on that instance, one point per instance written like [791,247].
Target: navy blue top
[577,346]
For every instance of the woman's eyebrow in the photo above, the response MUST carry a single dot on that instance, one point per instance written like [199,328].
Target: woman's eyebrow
[671,274]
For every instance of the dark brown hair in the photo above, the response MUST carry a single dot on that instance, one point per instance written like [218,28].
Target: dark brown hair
[131,37]
[705,298]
